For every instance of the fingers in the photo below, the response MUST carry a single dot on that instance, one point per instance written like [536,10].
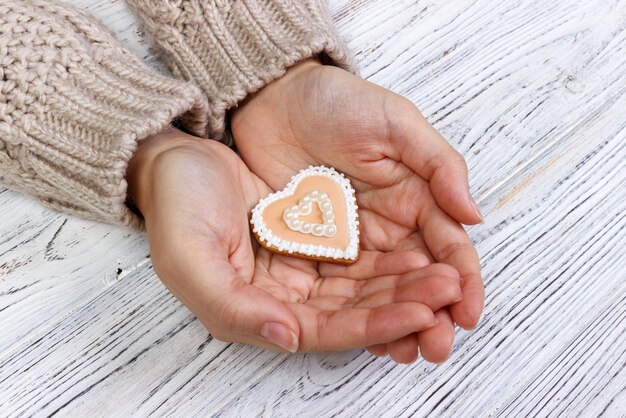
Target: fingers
[358,327]
[467,312]
[449,244]
[434,292]
[375,263]
[422,148]
[379,350]
[245,313]
[423,282]
[405,350]
[435,343]
[436,285]
[230,308]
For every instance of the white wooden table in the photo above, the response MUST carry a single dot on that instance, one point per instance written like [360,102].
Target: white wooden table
[533,93]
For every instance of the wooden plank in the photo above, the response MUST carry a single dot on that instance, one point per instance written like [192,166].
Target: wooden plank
[51,263]
[506,83]
[136,332]
[552,251]
[588,377]
[494,47]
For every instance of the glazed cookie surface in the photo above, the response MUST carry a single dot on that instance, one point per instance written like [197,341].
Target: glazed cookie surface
[313,217]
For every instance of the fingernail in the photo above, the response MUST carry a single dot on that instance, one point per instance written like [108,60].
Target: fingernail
[435,322]
[477,210]
[280,335]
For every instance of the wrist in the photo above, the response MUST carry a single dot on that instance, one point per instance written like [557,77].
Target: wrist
[140,170]
[272,92]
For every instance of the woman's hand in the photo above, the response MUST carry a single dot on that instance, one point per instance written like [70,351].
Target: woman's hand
[196,195]
[412,186]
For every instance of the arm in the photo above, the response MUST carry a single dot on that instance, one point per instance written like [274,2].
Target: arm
[76,107]
[232,49]
[73,104]
[413,184]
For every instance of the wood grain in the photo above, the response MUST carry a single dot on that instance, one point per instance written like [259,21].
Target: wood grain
[50,264]
[579,379]
[532,93]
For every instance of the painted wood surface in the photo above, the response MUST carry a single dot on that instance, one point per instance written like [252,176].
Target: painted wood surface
[532,93]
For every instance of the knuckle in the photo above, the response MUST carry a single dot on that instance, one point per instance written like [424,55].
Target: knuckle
[420,316]
[448,250]
[449,159]
[227,315]
[368,325]
[432,164]
[322,326]
[457,158]
[357,289]
[419,260]
[445,270]
[450,289]
[379,262]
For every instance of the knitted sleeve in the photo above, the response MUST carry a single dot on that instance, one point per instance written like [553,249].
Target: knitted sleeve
[233,48]
[73,104]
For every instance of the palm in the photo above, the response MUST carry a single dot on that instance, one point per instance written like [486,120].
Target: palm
[322,115]
[202,250]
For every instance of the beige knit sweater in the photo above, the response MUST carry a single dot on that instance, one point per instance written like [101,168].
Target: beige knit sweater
[74,102]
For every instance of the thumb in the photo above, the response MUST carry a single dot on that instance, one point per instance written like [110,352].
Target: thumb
[424,150]
[245,313]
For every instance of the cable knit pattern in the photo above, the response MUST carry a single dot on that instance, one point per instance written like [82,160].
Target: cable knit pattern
[73,104]
[232,48]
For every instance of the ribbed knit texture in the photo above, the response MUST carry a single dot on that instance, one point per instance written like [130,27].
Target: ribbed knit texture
[73,104]
[233,48]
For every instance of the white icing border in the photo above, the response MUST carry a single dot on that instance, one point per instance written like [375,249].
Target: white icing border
[265,235]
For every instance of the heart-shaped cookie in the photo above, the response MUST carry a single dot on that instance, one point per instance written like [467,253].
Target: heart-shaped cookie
[313,217]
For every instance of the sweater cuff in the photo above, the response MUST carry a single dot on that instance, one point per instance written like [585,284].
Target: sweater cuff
[232,49]
[73,108]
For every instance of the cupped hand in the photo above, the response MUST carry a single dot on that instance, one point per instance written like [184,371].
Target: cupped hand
[412,186]
[196,195]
